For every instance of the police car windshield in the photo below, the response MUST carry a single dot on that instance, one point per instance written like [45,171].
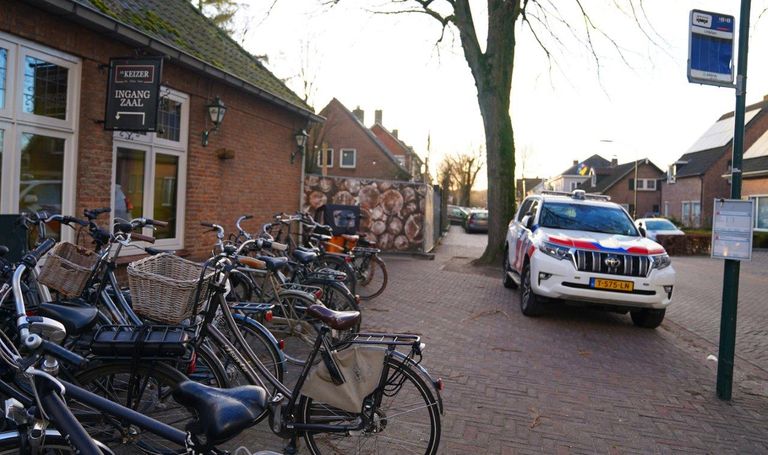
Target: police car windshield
[584,217]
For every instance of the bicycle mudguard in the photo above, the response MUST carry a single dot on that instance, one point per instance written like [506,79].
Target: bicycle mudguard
[264,331]
[424,374]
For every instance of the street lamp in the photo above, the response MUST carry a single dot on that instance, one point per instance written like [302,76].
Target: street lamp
[216,111]
[301,142]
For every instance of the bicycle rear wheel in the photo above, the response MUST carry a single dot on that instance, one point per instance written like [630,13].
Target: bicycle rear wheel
[144,387]
[291,325]
[339,263]
[408,419]
[371,276]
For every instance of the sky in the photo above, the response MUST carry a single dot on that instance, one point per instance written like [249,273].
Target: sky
[639,103]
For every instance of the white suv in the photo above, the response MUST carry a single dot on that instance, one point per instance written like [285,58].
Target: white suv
[583,248]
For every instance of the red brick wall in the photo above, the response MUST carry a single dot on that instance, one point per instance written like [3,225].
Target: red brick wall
[756,186]
[621,194]
[715,186]
[341,131]
[260,180]
[684,189]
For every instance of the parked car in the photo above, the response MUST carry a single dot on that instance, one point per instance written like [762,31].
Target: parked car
[583,248]
[35,195]
[656,226]
[456,214]
[477,221]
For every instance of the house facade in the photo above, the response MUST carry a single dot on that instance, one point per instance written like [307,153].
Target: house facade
[633,185]
[755,169]
[571,178]
[702,174]
[403,153]
[343,146]
[57,155]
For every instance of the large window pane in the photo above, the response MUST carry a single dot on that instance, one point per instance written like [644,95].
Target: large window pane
[169,120]
[42,165]
[45,88]
[2,141]
[3,75]
[129,184]
[166,176]
[762,213]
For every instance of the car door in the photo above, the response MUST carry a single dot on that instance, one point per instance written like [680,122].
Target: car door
[514,233]
[524,238]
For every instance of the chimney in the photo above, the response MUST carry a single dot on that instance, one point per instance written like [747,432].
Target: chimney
[614,162]
[360,114]
[379,114]
[575,162]
[394,133]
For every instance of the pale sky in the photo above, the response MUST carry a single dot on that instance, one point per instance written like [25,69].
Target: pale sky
[390,62]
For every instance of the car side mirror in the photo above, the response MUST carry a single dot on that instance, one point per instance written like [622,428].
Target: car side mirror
[527,221]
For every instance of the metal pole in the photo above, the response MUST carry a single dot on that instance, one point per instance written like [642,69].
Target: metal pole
[731,268]
[634,210]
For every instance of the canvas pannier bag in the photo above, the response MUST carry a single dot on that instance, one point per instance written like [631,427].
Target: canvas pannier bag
[361,367]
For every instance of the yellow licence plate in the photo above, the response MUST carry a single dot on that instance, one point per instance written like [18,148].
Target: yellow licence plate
[613,285]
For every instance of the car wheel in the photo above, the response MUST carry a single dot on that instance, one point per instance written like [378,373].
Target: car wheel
[509,283]
[647,318]
[530,303]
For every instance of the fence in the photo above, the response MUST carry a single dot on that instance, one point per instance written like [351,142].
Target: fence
[399,216]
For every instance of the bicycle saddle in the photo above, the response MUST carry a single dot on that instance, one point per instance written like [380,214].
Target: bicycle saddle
[274,263]
[305,257]
[339,320]
[75,319]
[221,413]
[365,242]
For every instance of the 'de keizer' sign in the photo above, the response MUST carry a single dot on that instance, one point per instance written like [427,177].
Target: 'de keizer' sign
[133,94]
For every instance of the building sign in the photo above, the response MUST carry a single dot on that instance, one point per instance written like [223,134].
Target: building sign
[133,94]
[732,229]
[710,48]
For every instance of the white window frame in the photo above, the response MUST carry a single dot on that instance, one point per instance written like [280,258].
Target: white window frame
[151,145]
[354,158]
[16,122]
[691,219]
[320,156]
[643,184]
[574,185]
[756,198]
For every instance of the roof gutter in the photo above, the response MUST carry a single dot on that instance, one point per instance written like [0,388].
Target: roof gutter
[130,35]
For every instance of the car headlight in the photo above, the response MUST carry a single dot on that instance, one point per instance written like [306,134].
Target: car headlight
[661,261]
[556,251]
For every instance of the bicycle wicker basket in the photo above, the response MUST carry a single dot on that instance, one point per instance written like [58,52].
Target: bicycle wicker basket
[67,269]
[164,287]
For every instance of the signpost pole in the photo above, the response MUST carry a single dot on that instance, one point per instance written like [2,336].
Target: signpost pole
[731,268]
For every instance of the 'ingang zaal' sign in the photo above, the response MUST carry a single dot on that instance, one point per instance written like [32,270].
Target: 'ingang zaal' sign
[133,94]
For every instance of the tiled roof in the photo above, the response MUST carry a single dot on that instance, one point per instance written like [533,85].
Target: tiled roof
[759,164]
[177,23]
[594,161]
[529,185]
[698,163]
[611,176]
[368,133]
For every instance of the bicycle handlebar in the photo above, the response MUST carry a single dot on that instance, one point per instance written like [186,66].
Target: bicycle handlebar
[94,213]
[142,238]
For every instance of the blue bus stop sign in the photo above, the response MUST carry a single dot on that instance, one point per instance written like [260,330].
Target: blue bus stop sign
[710,48]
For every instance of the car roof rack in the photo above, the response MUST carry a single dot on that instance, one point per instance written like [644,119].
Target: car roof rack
[578,194]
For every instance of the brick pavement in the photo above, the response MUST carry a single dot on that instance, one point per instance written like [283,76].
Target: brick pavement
[572,381]
[698,297]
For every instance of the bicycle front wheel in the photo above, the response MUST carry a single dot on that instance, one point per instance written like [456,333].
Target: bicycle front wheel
[408,419]
[371,276]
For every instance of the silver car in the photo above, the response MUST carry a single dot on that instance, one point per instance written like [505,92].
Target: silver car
[656,226]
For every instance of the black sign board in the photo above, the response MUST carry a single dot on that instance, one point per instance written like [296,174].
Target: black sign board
[133,94]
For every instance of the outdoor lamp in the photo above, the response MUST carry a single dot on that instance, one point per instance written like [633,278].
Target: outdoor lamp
[301,142]
[216,111]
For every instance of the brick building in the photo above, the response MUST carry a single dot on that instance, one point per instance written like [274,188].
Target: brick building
[57,155]
[403,153]
[571,178]
[638,193]
[755,167]
[702,174]
[351,149]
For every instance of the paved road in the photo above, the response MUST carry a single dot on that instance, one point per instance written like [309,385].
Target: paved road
[698,296]
[570,382]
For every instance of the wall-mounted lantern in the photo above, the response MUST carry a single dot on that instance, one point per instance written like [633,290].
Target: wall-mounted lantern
[216,111]
[301,142]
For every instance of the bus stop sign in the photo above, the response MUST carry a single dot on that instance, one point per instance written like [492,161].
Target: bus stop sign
[710,48]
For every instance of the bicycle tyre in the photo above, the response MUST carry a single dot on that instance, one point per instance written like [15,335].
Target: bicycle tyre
[109,380]
[374,280]
[291,325]
[339,263]
[53,443]
[379,434]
